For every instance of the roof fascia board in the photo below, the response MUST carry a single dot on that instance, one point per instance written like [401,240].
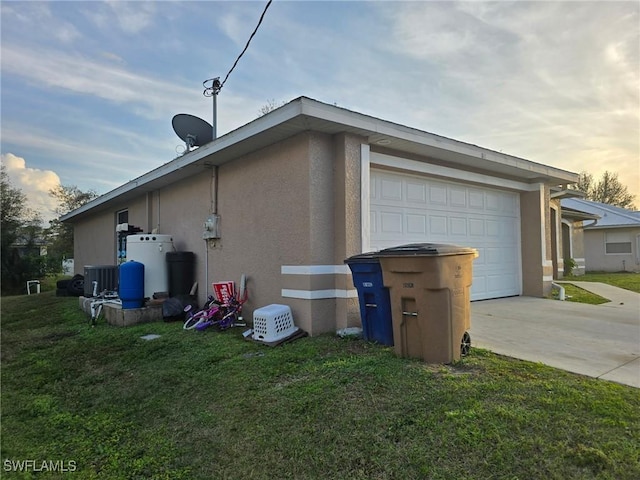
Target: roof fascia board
[312,108]
[617,227]
[577,215]
[568,193]
[259,125]
[354,119]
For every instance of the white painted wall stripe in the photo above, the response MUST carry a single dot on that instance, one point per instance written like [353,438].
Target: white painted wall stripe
[315,270]
[318,294]
[543,229]
[365,196]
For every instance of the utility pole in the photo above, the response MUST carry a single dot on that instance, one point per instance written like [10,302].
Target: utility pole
[211,89]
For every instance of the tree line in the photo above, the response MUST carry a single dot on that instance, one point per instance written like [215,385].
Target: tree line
[23,234]
[608,189]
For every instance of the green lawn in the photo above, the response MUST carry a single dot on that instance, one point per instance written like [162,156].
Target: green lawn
[209,405]
[629,281]
[579,295]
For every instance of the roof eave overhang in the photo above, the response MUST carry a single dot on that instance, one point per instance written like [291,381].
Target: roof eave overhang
[567,193]
[571,214]
[305,114]
[603,227]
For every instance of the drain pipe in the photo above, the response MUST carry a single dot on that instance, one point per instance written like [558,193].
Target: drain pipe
[214,210]
[560,288]
[206,269]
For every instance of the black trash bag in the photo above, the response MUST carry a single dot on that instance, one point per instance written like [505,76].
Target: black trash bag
[172,309]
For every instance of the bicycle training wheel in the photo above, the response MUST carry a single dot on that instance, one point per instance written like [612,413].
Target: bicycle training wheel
[195,320]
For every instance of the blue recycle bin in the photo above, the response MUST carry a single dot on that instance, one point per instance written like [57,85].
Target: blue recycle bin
[373,296]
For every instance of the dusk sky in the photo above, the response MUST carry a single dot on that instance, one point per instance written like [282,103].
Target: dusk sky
[89,88]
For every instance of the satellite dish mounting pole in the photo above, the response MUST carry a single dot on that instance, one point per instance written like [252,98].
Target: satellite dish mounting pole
[212,91]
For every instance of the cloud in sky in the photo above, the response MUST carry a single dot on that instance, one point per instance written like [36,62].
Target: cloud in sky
[148,96]
[555,82]
[34,183]
[94,91]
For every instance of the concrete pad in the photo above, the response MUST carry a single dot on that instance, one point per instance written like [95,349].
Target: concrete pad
[117,316]
[126,317]
[591,340]
[628,374]
[150,336]
[618,297]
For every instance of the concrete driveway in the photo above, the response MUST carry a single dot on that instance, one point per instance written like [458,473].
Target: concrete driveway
[601,341]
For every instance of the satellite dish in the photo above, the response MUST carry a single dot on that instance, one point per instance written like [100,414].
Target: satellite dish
[193,130]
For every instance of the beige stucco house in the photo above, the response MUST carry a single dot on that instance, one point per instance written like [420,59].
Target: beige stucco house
[302,188]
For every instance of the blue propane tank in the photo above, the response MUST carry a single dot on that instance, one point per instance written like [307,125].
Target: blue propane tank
[131,289]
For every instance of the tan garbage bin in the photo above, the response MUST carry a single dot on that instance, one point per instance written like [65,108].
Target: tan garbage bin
[430,305]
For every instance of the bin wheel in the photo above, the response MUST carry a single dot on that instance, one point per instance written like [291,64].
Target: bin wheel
[465,346]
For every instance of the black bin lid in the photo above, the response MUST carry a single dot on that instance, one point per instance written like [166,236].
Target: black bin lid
[431,249]
[369,257]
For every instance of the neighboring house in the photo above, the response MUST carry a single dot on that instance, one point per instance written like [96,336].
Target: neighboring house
[571,260]
[300,189]
[611,237]
[25,246]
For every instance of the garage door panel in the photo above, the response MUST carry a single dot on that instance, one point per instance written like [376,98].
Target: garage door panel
[511,205]
[479,290]
[476,199]
[499,283]
[437,225]
[476,227]
[416,194]
[373,224]
[409,208]
[492,229]
[458,197]
[391,190]
[493,256]
[458,226]
[482,257]
[416,224]
[438,195]
[492,202]
[391,222]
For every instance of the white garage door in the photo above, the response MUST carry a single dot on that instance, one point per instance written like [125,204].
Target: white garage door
[406,209]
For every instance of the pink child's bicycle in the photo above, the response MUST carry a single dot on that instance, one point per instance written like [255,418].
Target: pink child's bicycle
[222,312]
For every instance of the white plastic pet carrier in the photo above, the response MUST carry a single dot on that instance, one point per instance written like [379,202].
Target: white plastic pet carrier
[273,323]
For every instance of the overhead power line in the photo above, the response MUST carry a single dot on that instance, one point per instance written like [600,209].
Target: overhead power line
[248,42]
[215,87]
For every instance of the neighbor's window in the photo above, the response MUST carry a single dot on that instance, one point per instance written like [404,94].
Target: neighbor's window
[617,243]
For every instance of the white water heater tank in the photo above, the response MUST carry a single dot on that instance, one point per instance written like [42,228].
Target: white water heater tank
[150,250]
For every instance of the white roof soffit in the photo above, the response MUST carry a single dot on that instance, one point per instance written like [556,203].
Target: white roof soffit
[305,114]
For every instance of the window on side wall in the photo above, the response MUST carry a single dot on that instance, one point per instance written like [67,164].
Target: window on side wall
[617,243]
[122,217]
